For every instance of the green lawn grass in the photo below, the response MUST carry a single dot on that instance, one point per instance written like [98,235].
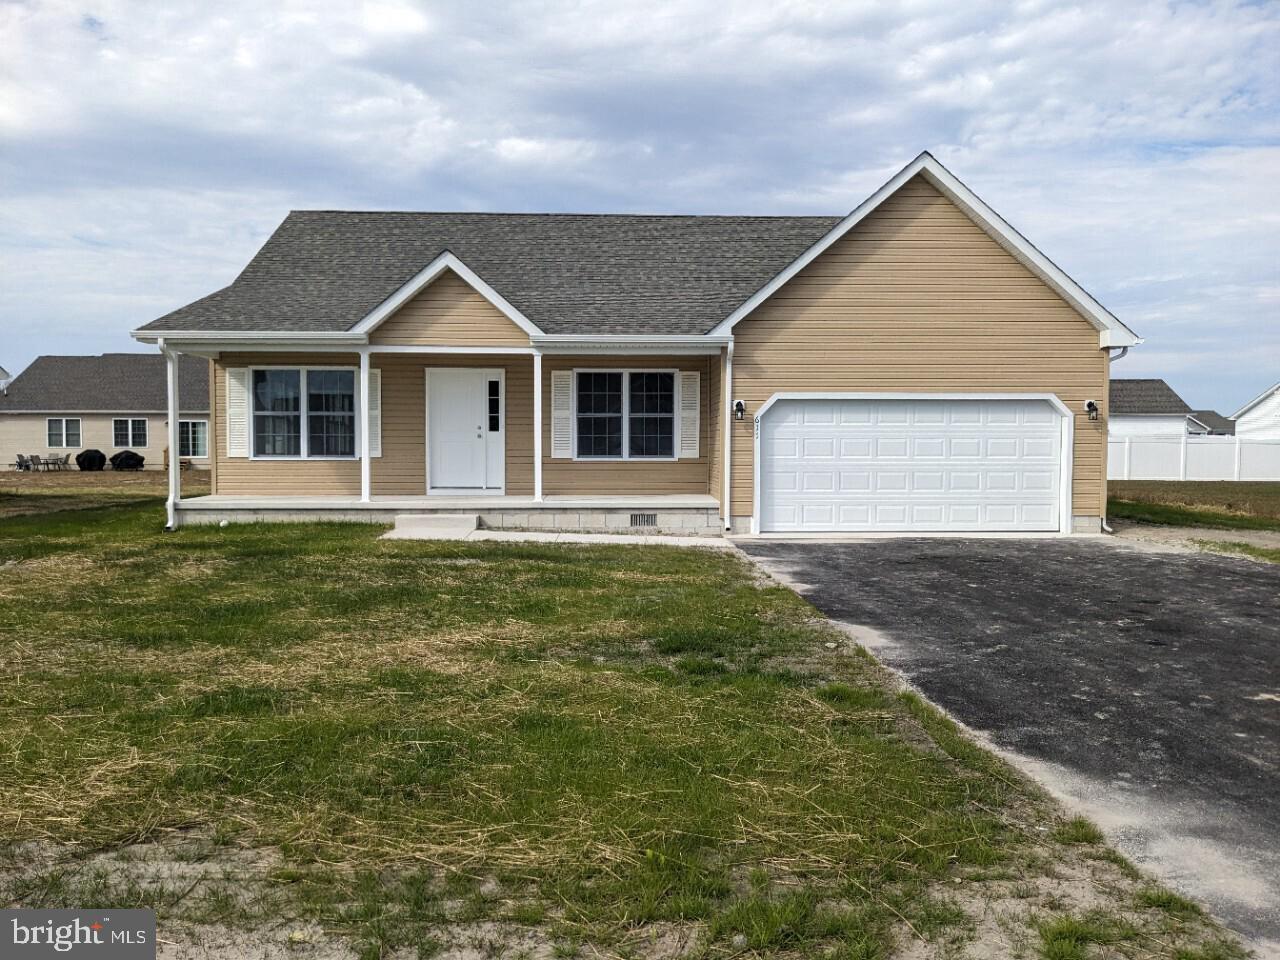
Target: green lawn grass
[590,740]
[1226,505]
[1248,549]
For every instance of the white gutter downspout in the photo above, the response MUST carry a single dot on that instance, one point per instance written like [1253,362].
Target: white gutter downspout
[175,464]
[727,408]
[1111,358]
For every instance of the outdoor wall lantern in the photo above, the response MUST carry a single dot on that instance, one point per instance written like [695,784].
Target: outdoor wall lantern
[1091,407]
[739,410]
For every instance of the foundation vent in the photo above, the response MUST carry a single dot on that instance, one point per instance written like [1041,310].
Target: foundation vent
[644,519]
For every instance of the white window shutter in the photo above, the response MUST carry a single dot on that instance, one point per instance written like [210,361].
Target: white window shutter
[690,400]
[375,412]
[237,411]
[562,413]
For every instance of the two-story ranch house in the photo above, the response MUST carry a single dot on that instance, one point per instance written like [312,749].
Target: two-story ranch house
[916,365]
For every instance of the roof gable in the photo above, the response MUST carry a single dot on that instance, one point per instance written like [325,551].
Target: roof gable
[428,275]
[1111,332]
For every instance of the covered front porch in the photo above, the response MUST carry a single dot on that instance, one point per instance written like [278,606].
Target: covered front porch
[492,431]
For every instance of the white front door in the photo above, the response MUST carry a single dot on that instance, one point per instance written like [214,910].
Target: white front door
[465,429]
[850,465]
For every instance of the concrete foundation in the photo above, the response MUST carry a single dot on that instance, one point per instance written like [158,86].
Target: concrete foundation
[681,521]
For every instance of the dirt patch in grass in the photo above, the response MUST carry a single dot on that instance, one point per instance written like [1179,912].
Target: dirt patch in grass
[321,741]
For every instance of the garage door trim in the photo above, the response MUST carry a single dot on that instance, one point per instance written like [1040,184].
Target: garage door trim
[1064,412]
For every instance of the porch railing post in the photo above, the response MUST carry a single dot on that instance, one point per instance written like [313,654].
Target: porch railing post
[365,483]
[726,411]
[537,425]
[175,463]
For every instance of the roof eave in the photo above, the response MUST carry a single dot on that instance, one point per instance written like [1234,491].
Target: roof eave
[1255,401]
[175,337]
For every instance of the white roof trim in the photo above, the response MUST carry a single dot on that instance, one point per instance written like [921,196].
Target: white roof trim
[1255,401]
[1195,419]
[1112,333]
[243,336]
[446,261]
[676,344]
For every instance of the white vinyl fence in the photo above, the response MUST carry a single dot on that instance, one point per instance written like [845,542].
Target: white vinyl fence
[1192,458]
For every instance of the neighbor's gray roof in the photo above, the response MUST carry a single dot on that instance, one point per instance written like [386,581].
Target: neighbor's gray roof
[1215,421]
[1145,396]
[324,270]
[111,383]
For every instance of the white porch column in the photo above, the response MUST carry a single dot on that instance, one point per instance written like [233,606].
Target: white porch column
[365,483]
[537,425]
[175,463]
[727,504]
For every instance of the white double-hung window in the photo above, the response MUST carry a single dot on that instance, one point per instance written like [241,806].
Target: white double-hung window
[305,413]
[625,414]
[62,431]
[127,432]
[193,438]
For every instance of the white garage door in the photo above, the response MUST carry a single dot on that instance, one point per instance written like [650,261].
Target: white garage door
[894,464]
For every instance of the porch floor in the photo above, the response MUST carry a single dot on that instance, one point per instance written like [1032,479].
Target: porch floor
[427,503]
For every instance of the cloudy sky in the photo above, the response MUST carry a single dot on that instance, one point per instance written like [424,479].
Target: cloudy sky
[147,149]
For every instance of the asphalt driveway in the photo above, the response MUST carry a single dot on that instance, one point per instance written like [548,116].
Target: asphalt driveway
[1143,687]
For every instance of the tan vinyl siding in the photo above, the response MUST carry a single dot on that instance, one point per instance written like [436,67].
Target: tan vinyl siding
[299,478]
[402,468]
[918,298]
[449,313]
[626,477]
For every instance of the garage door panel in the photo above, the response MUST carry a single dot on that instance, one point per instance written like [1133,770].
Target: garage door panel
[850,465]
[891,446]
[1039,448]
[855,481]
[820,414]
[855,448]
[929,481]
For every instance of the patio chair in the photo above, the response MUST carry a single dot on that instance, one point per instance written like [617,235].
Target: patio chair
[22,463]
[65,462]
[36,462]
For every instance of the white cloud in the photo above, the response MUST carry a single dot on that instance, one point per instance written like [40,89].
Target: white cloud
[146,150]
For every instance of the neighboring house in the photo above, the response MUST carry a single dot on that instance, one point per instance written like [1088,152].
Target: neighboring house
[63,405]
[1259,419]
[916,365]
[1149,408]
[1212,423]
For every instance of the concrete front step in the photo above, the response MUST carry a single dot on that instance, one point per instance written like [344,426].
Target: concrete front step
[438,526]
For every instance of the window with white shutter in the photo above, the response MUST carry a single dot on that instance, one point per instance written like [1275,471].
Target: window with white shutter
[375,412]
[237,412]
[562,413]
[690,400]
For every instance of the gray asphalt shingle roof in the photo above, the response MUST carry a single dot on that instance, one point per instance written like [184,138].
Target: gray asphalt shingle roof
[1215,421]
[1145,396]
[324,270]
[111,383]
